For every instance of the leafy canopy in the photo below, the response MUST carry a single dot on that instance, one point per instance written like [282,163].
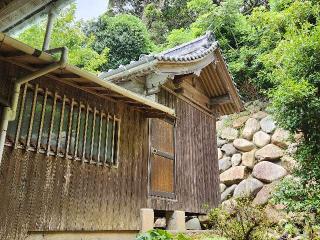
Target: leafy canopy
[125,35]
[68,32]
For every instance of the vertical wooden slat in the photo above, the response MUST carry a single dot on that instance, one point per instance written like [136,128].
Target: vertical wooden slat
[69,127]
[112,142]
[93,135]
[16,142]
[85,135]
[42,119]
[61,124]
[34,103]
[77,135]
[106,142]
[118,142]
[51,123]
[99,141]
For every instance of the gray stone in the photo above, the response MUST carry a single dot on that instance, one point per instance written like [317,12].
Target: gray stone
[269,152]
[239,122]
[221,142]
[281,138]
[259,115]
[236,159]
[243,144]
[222,187]
[264,194]
[224,164]
[250,128]
[248,188]
[229,133]
[220,154]
[229,149]
[234,175]
[160,223]
[248,159]
[268,172]
[267,124]
[261,139]
[228,192]
[193,224]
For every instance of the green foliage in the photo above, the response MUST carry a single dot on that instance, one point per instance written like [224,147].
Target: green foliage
[68,32]
[241,221]
[125,35]
[157,234]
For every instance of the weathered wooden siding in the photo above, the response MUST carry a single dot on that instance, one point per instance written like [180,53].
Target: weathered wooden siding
[41,193]
[197,172]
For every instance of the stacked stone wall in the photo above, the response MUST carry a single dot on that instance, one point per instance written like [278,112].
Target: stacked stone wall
[254,153]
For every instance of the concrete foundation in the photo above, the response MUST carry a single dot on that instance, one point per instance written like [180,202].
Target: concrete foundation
[176,221]
[146,219]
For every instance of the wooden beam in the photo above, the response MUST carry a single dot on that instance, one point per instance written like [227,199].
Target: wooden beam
[219,100]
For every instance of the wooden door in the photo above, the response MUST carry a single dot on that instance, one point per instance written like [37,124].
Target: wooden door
[161,158]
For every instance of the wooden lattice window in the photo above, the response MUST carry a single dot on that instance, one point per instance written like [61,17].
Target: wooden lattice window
[60,126]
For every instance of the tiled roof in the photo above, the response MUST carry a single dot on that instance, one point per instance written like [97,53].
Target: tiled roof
[188,52]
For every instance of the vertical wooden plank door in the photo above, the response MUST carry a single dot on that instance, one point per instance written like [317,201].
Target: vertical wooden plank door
[162,158]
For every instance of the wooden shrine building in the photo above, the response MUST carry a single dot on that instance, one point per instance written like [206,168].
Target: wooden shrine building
[82,155]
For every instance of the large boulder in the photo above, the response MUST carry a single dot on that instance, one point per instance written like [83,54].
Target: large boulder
[193,224]
[264,194]
[267,124]
[251,127]
[268,171]
[243,144]
[261,139]
[224,164]
[248,188]
[229,133]
[228,192]
[236,159]
[248,159]
[281,138]
[229,149]
[239,122]
[269,152]
[234,175]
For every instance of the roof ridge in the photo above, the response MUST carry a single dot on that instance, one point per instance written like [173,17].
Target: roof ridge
[209,36]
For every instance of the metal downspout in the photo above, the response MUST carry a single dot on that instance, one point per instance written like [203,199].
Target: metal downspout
[10,112]
[47,37]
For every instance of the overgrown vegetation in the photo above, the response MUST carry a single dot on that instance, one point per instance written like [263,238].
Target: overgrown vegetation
[241,221]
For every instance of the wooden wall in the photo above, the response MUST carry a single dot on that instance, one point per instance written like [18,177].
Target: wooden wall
[48,193]
[41,193]
[197,171]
